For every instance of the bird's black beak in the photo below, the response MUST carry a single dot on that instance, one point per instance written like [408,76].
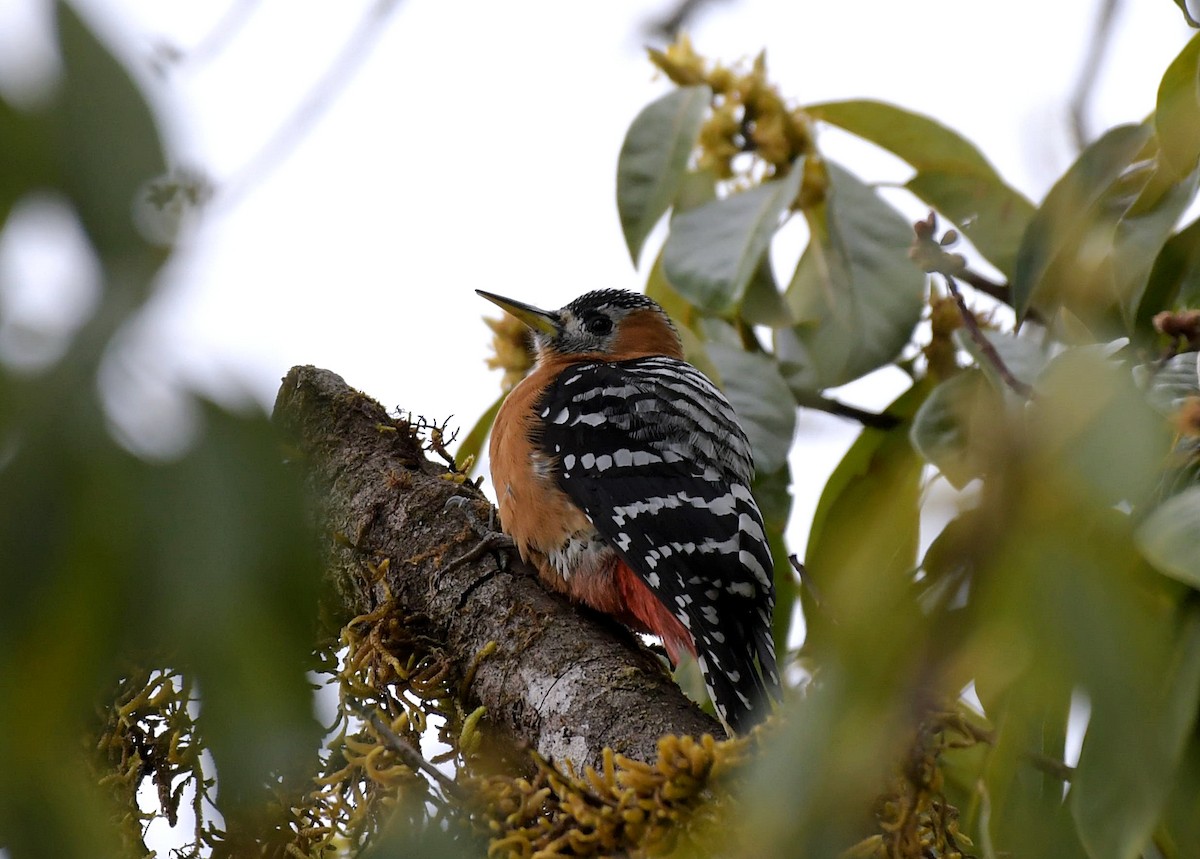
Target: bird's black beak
[539,320]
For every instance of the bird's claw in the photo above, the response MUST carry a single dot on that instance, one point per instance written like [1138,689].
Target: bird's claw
[491,539]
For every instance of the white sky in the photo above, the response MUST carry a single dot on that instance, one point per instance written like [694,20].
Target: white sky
[476,148]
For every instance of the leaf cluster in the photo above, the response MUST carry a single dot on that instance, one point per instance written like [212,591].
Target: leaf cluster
[188,568]
[1014,539]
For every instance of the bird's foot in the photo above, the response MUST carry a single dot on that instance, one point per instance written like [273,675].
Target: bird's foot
[491,540]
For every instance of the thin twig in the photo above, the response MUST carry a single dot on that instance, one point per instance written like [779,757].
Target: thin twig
[1090,72]
[1051,766]
[874,420]
[975,280]
[807,581]
[985,345]
[414,759]
[319,99]
[220,35]
[931,255]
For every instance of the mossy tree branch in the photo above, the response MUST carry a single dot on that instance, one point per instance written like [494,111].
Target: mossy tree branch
[560,679]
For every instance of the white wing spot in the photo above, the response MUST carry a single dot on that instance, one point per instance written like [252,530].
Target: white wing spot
[592,419]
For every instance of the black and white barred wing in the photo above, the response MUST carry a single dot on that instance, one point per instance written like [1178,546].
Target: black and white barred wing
[653,453]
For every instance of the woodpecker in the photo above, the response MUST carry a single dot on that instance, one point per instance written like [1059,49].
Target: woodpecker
[623,477]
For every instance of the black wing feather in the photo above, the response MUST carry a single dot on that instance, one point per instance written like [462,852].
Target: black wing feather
[653,453]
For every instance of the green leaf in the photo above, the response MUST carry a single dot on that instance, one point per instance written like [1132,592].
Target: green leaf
[109,146]
[943,430]
[923,142]
[1022,356]
[1169,538]
[763,305]
[952,174]
[686,318]
[1140,236]
[472,445]
[1187,15]
[1175,277]
[654,158]
[861,571]
[1133,746]
[1177,115]
[1169,385]
[1092,426]
[1076,217]
[855,292]
[762,400]
[26,151]
[233,596]
[713,250]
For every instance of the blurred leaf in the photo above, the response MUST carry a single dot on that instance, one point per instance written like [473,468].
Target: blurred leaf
[862,572]
[949,562]
[809,794]
[1175,277]
[1177,115]
[696,187]
[856,294]
[653,159]
[1187,15]
[1077,217]
[714,249]
[109,148]
[760,396]
[472,445]
[1133,745]
[942,428]
[68,556]
[1141,234]
[27,155]
[1169,538]
[952,174]
[812,796]
[1181,824]
[1086,409]
[1168,386]
[234,597]
[1022,357]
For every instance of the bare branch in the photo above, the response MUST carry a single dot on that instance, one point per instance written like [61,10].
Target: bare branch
[564,680]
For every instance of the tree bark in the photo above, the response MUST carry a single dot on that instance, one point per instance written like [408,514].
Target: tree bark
[563,679]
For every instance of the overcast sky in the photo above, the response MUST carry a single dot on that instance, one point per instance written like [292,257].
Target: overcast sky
[476,145]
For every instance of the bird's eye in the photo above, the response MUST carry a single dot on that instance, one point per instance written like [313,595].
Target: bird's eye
[598,325]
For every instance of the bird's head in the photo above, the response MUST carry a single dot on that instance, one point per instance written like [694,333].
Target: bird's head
[610,323]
